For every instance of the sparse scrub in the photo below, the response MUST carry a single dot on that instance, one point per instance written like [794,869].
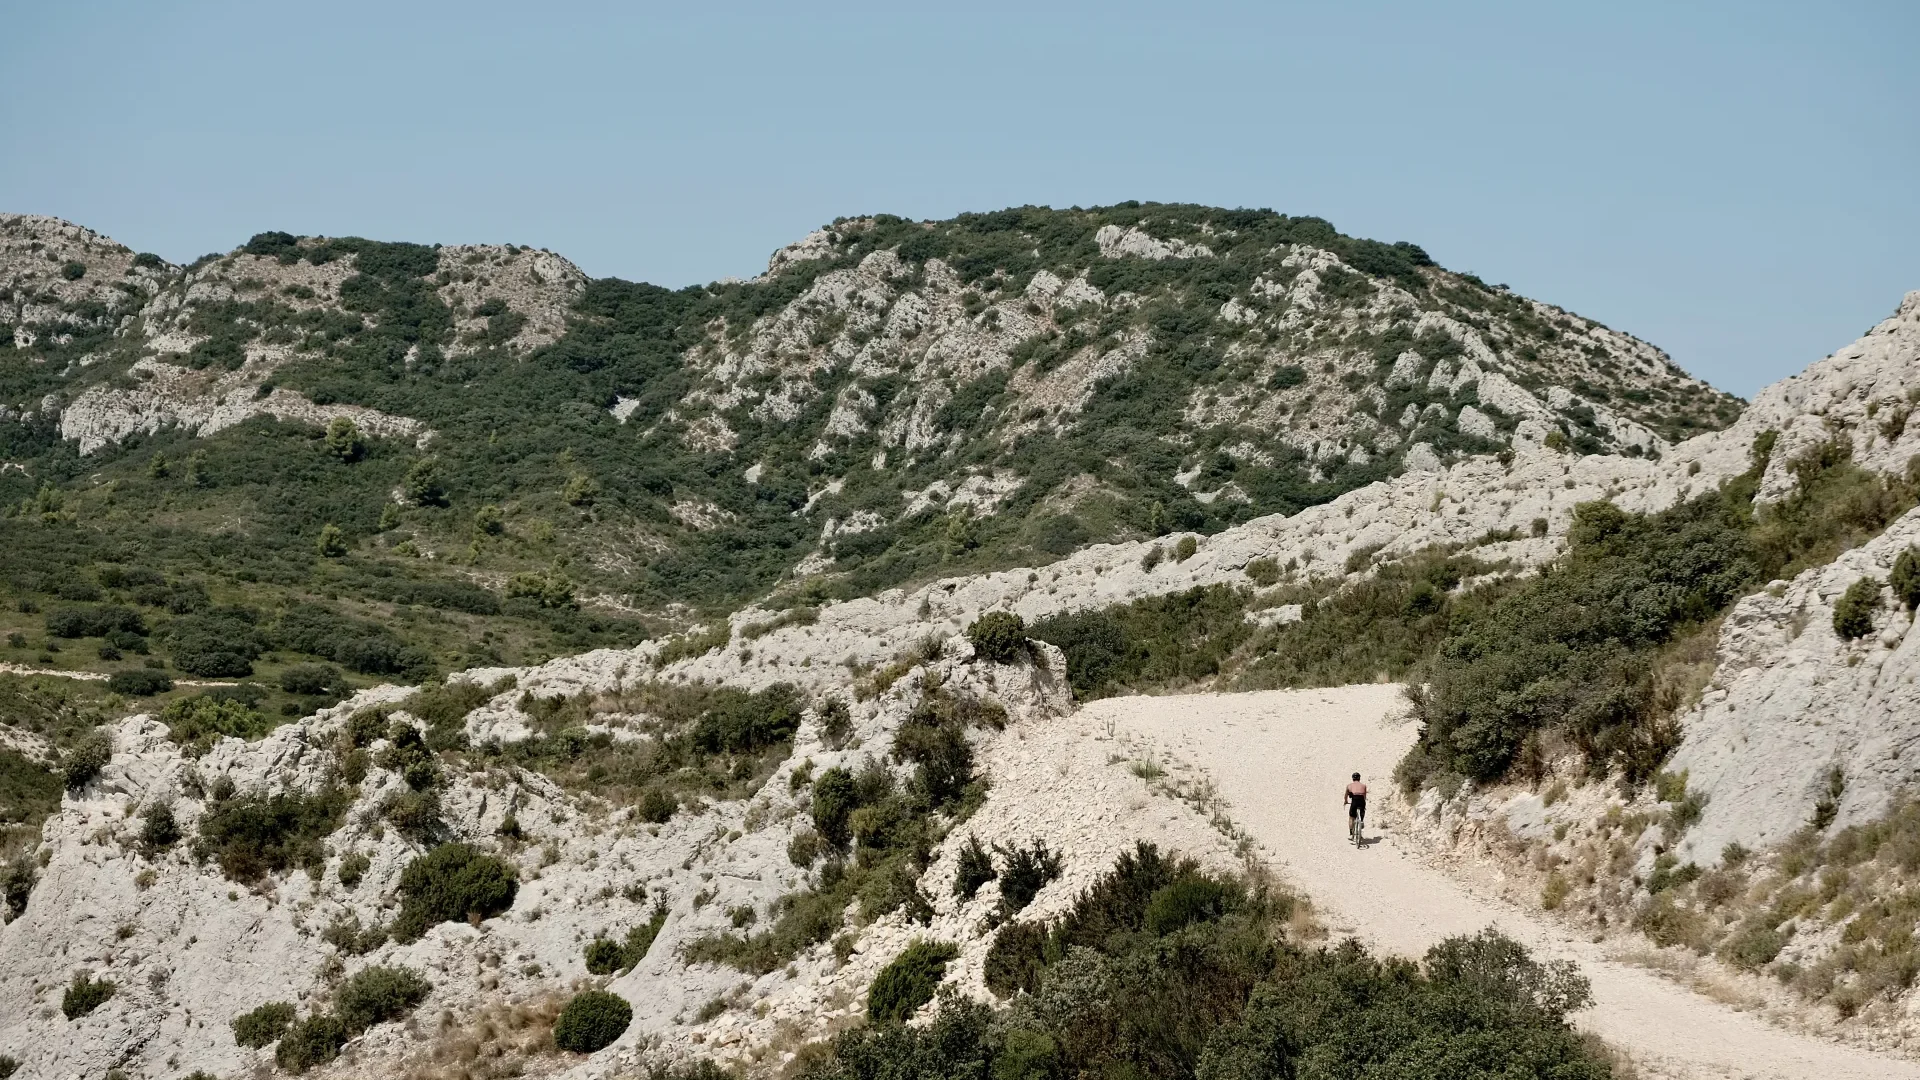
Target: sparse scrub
[84,995]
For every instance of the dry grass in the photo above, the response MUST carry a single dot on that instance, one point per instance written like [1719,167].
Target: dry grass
[502,1040]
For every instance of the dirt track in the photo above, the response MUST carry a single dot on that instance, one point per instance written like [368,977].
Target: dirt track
[1281,760]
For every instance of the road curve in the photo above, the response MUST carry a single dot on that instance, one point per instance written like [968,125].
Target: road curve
[1281,759]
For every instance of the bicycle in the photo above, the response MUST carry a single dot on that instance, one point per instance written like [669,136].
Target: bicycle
[1356,826]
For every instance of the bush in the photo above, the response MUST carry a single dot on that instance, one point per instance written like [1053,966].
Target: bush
[314,680]
[87,758]
[73,271]
[605,956]
[84,995]
[219,644]
[17,879]
[1185,549]
[313,1041]
[975,869]
[999,637]
[100,621]
[1151,642]
[332,542]
[1263,572]
[657,806]
[257,835]
[1016,959]
[263,1025]
[1193,899]
[592,1021]
[907,983]
[1028,870]
[197,722]
[160,830]
[1905,578]
[739,723]
[451,883]
[834,801]
[377,995]
[139,682]
[1853,613]
[353,867]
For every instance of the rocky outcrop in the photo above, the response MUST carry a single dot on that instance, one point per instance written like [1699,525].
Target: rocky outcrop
[1798,715]
[188,949]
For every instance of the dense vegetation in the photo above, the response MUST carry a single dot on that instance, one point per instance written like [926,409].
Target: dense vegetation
[1598,651]
[1161,970]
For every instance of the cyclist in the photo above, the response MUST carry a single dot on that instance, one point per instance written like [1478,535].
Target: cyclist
[1356,803]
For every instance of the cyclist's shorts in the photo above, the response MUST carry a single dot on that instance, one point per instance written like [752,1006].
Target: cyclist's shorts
[1357,807]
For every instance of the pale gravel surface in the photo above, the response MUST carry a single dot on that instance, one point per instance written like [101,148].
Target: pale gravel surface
[1281,759]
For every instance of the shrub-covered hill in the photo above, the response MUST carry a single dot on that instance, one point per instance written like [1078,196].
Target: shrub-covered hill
[497,458]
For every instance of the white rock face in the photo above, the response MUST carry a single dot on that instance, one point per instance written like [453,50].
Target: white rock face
[206,402]
[1792,701]
[1118,243]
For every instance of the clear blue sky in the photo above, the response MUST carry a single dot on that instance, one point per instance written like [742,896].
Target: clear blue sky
[1738,183]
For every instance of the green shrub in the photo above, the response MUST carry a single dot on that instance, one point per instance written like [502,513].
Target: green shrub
[451,883]
[139,682]
[344,441]
[221,643]
[1853,612]
[1028,870]
[1016,959]
[834,801]
[255,835]
[314,680]
[1263,572]
[86,759]
[605,956]
[17,879]
[999,637]
[353,867]
[907,983]
[1755,944]
[657,806]
[1190,900]
[84,995]
[974,870]
[1185,549]
[197,722]
[377,995]
[1150,643]
[591,1021]
[640,939]
[73,271]
[332,542]
[1905,578]
[159,830]
[263,1025]
[313,1041]
[735,722]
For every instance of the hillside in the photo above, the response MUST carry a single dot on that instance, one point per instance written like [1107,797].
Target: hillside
[814,754]
[538,463]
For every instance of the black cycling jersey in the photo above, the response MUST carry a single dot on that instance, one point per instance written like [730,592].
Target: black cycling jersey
[1356,806]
